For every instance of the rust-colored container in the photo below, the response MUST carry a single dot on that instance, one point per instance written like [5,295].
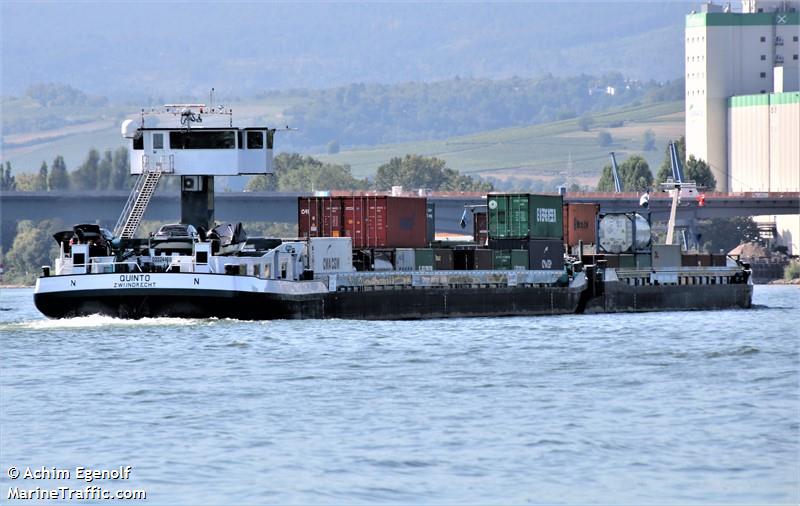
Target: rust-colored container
[472,259]
[580,223]
[319,216]
[719,259]
[385,222]
[704,260]
[689,260]
[442,259]
[480,229]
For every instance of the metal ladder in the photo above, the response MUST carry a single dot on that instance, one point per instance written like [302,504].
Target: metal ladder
[137,202]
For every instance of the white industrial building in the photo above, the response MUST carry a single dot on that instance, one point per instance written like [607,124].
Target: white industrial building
[742,100]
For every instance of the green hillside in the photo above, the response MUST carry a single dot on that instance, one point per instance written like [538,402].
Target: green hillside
[539,150]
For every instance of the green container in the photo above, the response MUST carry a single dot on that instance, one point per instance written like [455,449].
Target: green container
[523,216]
[502,259]
[547,217]
[424,259]
[509,215]
[627,262]
[519,259]
[644,261]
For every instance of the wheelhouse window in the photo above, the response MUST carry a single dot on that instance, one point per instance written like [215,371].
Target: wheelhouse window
[158,141]
[255,140]
[195,139]
[138,142]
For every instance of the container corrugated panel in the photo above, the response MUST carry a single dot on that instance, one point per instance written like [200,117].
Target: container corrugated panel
[508,216]
[443,259]
[546,218]
[319,217]
[719,260]
[430,221]
[385,222]
[404,259]
[612,261]
[480,229]
[580,223]
[483,260]
[704,260]
[519,259]
[545,254]
[644,260]
[666,255]
[423,259]
[501,259]
[627,261]
[508,244]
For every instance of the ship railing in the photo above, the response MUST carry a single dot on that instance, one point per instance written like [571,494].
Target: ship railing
[66,269]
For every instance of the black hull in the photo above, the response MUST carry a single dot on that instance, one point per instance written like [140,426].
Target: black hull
[398,304]
[620,297]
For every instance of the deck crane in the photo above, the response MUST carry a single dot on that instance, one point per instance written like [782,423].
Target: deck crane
[677,188]
[615,173]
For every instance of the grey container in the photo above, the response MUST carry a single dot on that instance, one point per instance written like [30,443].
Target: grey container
[404,259]
[666,255]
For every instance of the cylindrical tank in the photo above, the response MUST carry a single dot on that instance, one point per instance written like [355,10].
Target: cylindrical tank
[616,233]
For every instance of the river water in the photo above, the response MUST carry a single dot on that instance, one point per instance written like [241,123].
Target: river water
[678,408]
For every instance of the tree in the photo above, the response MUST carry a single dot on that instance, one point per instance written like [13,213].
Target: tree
[41,183]
[415,171]
[86,177]
[7,182]
[648,140]
[634,175]
[32,248]
[27,182]
[585,121]
[317,176]
[58,178]
[104,169]
[727,233]
[699,172]
[121,169]
[604,138]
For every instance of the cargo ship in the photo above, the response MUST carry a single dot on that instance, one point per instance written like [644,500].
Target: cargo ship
[357,256]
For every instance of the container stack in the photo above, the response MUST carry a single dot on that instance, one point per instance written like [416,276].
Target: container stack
[526,231]
[371,221]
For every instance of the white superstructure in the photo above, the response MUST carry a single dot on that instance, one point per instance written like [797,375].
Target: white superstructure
[754,51]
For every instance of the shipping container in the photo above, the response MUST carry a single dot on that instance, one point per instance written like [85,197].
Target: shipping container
[704,260]
[627,261]
[480,229]
[472,259]
[385,222]
[719,260]
[442,259]
[508,243]
[519,259]
[689,260]
[623,233]
[580,223]
[644,261]
[320,217]
[404,259]
[423,259]
[519,216]
[612,261]
[430,221]
[547,220]
[330,254]
[545,254]
[666,255]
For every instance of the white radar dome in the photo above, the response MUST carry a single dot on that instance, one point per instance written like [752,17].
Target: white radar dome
[129,129]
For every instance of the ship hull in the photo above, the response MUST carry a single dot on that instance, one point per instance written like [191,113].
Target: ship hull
[620,297]
[253,303]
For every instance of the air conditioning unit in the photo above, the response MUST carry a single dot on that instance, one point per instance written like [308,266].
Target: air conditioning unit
[192,183]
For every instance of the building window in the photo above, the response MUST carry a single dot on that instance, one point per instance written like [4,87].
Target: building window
[794,57]
[763,75]
[763,57]
[763,39]
[255,140]
[794,39]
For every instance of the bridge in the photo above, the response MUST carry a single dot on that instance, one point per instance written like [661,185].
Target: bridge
[281,207]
